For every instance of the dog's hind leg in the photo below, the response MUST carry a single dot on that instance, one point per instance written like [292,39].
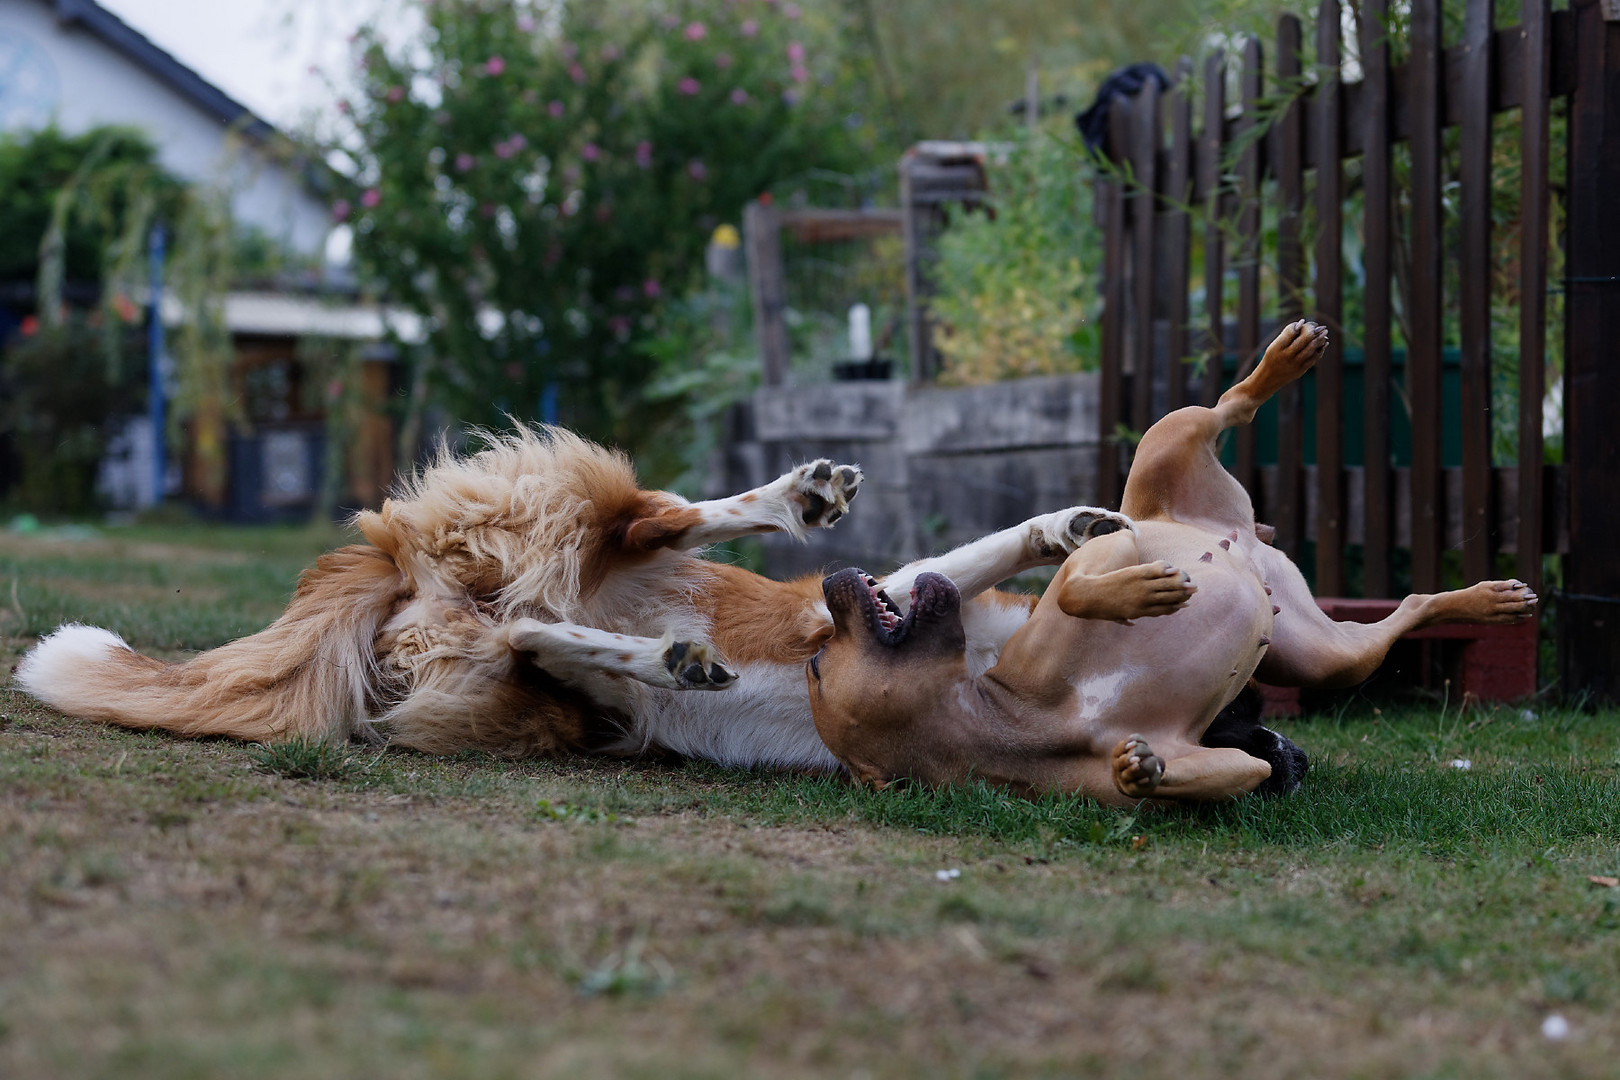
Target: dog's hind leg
[814,495]
[577,655]
[1176,474]
[1309,649]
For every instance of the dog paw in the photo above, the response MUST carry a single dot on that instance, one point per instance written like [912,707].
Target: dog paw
[1138,771]
[1488,602]
[1143,591]
[1297,348]
[823,489]
[693,665]
[1056,536]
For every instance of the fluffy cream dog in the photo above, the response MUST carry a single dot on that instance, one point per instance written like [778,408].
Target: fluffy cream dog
[533,599]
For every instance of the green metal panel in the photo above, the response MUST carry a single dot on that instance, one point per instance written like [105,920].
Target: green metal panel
[1400,423]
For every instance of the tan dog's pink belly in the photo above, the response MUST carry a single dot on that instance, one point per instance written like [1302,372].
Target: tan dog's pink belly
[1168,676]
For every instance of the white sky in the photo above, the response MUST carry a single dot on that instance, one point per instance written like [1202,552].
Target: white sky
[260,51]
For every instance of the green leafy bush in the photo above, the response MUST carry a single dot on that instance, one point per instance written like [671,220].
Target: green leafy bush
[1011,297]
[535,180]
[58,390]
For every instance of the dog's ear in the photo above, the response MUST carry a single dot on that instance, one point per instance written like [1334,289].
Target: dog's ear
[660,530]
[817,630]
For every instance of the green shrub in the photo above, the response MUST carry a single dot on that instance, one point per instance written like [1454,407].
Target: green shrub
[58,391]
[1011,297]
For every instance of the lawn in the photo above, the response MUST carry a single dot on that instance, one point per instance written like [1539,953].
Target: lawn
[203,909]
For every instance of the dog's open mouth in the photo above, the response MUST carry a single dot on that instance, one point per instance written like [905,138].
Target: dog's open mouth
[855,591]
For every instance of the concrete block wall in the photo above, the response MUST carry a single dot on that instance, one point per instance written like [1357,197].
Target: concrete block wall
[943,465]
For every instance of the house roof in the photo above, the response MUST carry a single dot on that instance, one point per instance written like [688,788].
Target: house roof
[125,39]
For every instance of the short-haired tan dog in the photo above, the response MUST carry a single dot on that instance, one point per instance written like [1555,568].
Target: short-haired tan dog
[1141,639]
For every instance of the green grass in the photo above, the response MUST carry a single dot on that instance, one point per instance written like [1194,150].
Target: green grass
[307,759]
[177,588]
[173,908]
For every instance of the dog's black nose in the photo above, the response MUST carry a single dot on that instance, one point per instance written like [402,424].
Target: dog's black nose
[1104,527]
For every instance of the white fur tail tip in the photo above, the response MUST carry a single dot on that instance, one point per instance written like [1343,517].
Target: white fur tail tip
[60,657]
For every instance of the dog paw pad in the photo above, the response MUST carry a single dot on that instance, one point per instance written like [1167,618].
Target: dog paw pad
[693,666]
[1138,771]
[1060,534]
[823,490]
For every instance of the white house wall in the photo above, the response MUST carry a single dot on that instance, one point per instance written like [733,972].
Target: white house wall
[93,85]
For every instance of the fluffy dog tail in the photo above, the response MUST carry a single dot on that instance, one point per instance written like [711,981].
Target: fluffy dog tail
[308,675]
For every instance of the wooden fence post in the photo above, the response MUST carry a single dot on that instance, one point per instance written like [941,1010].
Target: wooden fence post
[1329,306]
[1178,233]
[1423,358]
[1533,228]
[1474,175]
[1589,608]
[1111,200]
[1377,477]
[1248,257]
[762,235]
[1143,200]
[1211,144]
[1288,164]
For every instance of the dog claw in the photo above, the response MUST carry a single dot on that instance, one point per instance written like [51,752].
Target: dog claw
[824,490]
[1138,771]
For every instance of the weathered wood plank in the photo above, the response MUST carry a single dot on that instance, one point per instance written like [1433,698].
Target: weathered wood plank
[1144,141]
[1475,290]
[1423,307]
[820,225]
[1111,198]
[1377,489]
[1325,139]
[1533,235]
[1211,148]
[762,235]
[1178,234]
[1289,513]
[1589,607]
[1248,254]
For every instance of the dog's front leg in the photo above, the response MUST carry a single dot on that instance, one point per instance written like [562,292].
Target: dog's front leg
[1189,773]
[579,654]
[814,495]
[984,563]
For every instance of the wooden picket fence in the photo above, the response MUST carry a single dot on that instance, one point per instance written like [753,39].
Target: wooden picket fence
[1217,176]
[1242,178]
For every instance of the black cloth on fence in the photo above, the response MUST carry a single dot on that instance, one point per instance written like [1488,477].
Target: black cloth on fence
[1126,82]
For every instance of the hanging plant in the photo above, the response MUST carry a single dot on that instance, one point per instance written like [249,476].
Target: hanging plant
[120,197]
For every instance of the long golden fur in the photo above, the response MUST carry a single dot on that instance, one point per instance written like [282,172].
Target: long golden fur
[530,598]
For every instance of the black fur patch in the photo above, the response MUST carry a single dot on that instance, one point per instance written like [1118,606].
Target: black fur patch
[1238,727]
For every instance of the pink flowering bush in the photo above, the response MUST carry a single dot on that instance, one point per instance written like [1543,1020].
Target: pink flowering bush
[569,177]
